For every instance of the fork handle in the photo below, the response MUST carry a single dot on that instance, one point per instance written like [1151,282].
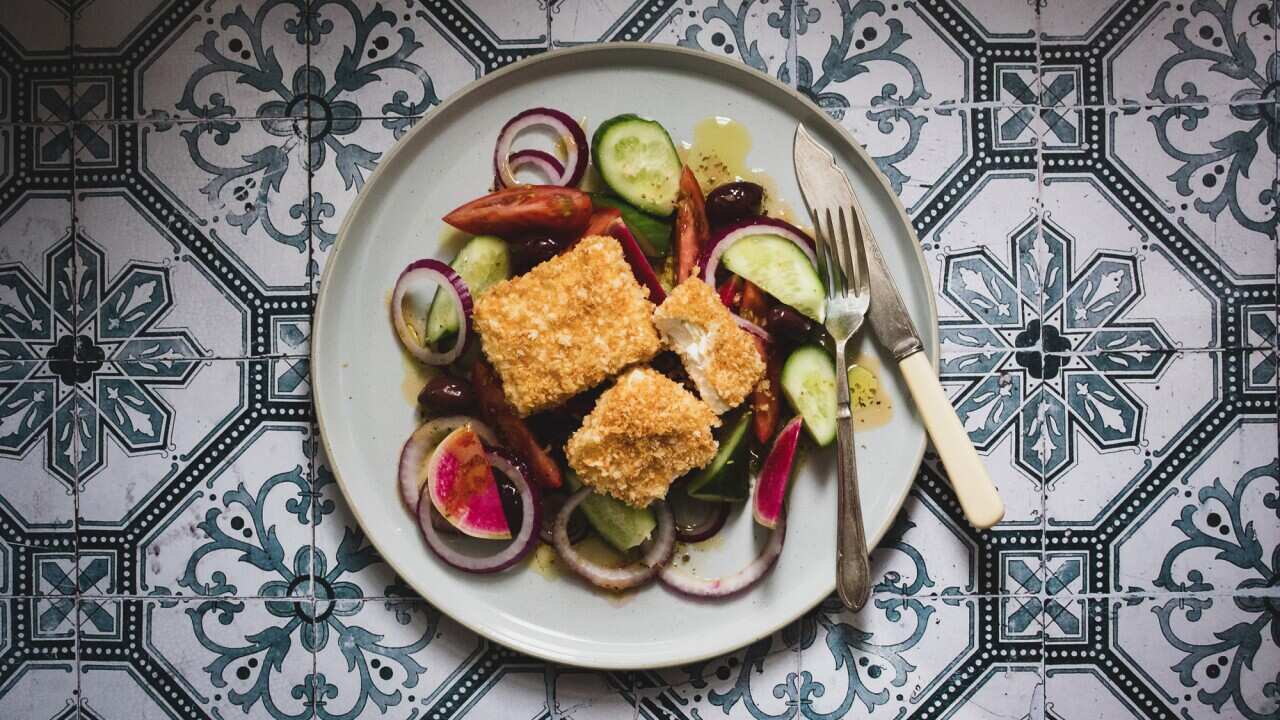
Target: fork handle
[979,500]
[853,572]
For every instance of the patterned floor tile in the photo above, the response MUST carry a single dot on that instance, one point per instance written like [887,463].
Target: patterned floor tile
[1167,657]
[590,695]
[757,681]
[190,59]
[1169,502]
[215,501]
[918,149]
[1134,276]
[192,244]
[1166,52]
[37,658]
[213,658]
[35,54]
[756,32]
[933,52]
[925,658]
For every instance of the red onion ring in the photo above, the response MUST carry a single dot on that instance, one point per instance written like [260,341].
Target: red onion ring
[513,552]
[449,282]
[657,549]
[411,475]
[543,162]
[551,504]
[752,328]
[723,587]
[696,520]
[752,226]
[569,131]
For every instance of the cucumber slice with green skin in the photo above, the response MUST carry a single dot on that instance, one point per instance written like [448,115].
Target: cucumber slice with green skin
[653,234]
[638,161]
[809,382]
[621,525]
[728,475]
[779,268]
[483,262]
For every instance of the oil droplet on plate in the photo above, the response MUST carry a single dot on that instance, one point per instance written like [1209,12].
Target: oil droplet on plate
[718,155]
[871,406]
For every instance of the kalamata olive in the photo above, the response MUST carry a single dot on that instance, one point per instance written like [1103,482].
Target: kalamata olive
[788,324]
[527,253]
[734,201]
[444,395]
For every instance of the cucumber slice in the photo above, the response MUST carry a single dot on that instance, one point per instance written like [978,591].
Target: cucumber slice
[653,234]
[779,268]
[726,478]
[621,525]
[638,161]
[483,262]
[809,382]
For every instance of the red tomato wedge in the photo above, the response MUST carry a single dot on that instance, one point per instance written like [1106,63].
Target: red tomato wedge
[692,231]
[523,211]
[513,431]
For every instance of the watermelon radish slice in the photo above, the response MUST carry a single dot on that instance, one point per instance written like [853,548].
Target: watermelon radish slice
[771,486]
[462,488]
[417,450]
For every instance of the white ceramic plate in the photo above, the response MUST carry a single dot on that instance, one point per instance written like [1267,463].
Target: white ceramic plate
[358,368]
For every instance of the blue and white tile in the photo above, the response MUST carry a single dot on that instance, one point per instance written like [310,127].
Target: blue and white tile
[947,657]
[755,32]
[344,556]
[201,658]
[37,662]
[214,60]
[1180,52]
[1168,502]
[919,150]
[1167,657]
[593,695]
[757,681]
[35,54]
[871,54]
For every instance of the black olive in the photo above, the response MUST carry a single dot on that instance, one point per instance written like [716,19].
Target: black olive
[443,395]
[528,253]
[733,202]
[788,324]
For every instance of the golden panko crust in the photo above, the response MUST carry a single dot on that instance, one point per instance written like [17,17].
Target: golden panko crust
[730,363]
[644,432]
[566,325]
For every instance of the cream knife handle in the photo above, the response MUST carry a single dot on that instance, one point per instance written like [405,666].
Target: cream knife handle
[978,497]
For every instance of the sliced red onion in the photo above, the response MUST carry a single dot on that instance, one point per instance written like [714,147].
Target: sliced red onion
[657,549]
[412,472]
[512,552]
[723,587]
[543,162]
[565,127]
[752,328]
[437,274]
[696,520]
[731,234]
[551,504]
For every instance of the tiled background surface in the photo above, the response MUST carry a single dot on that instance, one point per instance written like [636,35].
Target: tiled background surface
[1095,187]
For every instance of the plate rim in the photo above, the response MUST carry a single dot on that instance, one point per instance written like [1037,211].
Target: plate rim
[929,335]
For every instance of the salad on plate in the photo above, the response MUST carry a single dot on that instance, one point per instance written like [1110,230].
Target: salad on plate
[631,363]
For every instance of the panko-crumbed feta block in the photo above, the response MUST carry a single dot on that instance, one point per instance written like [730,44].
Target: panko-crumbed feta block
[643,433]
[566,325]
[720,357]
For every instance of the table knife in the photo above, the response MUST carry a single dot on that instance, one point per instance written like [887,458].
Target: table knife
[823,184]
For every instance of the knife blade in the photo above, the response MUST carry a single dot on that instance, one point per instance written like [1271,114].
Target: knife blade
[825,185]
[826,189]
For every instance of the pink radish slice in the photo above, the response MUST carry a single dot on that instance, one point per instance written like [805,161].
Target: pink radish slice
[425,276]
[771,486]
[412,472]
[513,552]
[462,488]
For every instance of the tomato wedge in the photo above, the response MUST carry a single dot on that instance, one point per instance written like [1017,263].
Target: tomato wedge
[523,211]
[766,401]
[692,230]
[731,293]
[496,411]
[754,305]
[602,221]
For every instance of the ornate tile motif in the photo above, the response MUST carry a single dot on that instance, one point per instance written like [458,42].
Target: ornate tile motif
[1095,187]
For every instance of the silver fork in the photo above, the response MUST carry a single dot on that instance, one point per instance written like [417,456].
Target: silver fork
[842,259]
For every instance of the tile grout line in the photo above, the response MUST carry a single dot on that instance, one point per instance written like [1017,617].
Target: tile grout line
[75,410]
[1037,712]
[313,428]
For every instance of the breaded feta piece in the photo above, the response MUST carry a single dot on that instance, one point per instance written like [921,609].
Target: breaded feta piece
[566,325]
[720,357]
[644,432]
